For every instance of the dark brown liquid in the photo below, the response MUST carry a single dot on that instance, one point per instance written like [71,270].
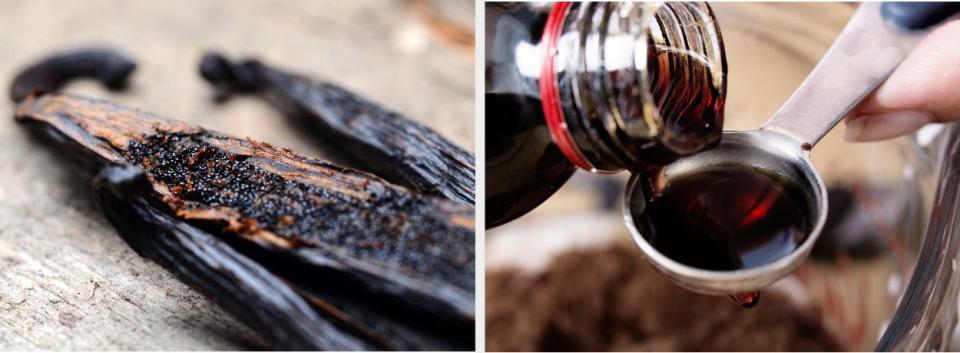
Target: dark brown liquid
[725,219]
[524,166]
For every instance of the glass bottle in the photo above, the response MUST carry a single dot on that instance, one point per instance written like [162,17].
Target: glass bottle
[603,87]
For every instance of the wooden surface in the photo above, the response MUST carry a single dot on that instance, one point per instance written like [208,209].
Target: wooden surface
[67,281]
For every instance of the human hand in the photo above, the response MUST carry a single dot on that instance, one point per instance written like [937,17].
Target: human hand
[925,88]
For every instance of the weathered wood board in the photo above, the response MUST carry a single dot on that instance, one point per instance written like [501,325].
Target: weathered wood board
[67,281]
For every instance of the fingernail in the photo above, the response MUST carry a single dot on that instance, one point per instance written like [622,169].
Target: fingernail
[882,126]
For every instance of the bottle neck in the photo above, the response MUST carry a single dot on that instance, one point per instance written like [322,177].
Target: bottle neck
[632,85]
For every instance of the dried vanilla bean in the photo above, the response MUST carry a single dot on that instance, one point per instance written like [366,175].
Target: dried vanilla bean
[214,267]
[384,142]
[104,65]
[312,255]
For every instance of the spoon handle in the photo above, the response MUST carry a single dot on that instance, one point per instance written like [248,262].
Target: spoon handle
[871,46]
[914,16]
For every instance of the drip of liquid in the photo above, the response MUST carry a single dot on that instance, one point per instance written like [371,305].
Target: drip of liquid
[746,300]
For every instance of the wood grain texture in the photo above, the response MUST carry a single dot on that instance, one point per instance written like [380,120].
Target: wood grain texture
[67,281]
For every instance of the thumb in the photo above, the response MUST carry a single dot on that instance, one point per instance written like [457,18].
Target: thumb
[925,88]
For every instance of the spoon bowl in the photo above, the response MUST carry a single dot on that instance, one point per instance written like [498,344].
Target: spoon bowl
[763,150]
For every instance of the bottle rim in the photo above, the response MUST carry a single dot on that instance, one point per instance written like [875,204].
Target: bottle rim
[598,101]
[549,92]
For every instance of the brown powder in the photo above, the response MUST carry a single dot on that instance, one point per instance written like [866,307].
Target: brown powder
[612,300]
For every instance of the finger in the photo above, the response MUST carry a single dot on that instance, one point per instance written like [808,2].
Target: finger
[881,126]
[924,88]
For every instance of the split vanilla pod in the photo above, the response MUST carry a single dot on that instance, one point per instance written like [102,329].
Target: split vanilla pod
[308,254]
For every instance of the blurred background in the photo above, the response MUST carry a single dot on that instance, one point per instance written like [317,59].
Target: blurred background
[67,281]
[568,276]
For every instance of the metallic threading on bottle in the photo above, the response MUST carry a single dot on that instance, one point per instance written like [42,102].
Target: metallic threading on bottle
[640,84]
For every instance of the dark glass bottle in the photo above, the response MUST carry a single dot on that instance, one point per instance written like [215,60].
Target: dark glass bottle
[598,86]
